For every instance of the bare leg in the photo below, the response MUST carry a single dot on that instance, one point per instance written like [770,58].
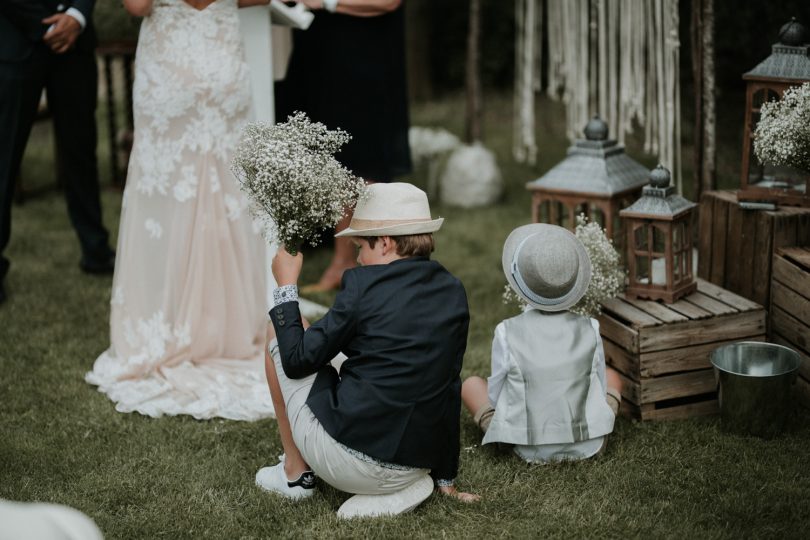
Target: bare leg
[614,389]
[294,463]
[474,394]
[613,380]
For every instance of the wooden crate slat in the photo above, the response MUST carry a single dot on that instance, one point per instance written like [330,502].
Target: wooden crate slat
[734,275]
[620,359]
[798,255]
[618,332]
[689,310]
[791,275]
[679,412]
[785,229]
[710,304]
[791,302]
[631,314]
[727,297]
[691,358]
[718,250]
[803,230]
[804,369]
[705,235]
[746,243]
[763,245]
[791,329]
[656,309]
[737,326]
[691,383]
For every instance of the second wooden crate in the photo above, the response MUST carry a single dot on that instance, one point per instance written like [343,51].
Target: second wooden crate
[790,309]
[662,351]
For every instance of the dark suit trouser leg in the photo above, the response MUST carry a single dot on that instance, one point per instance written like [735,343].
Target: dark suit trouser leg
[72,88]
[12,76]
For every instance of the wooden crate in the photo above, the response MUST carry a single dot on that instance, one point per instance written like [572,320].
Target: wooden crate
[790,309]
[661,351]
[736,246]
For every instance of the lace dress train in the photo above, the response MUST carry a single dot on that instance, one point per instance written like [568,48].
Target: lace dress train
[188,301]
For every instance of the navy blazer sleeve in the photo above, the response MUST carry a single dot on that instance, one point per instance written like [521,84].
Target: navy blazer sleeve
[304,353]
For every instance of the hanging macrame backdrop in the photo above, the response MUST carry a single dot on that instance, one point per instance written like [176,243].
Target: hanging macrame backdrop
[615,58]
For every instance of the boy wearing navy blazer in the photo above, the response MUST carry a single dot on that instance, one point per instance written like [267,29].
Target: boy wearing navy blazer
[386,426]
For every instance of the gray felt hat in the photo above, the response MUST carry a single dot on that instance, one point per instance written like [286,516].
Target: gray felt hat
[547,266]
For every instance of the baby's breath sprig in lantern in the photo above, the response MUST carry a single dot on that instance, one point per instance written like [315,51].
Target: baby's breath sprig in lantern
[296,186]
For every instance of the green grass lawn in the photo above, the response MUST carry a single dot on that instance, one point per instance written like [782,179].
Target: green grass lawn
[138,477]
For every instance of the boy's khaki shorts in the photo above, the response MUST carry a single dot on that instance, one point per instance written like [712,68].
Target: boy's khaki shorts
[329,460]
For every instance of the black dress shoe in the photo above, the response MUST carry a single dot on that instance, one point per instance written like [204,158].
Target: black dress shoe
[98,266]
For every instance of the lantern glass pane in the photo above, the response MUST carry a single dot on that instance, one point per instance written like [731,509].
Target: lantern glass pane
[598,216]
[677,268]
[763,96]
[640,235]
[642,269]
[659,239]
[659,271]
[542,212]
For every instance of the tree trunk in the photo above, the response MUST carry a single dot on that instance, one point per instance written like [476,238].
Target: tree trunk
[709,164]
[702,37]
[417,52]
[473,83]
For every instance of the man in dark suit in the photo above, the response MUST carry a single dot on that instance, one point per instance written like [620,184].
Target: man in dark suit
[388,421]
[50,44]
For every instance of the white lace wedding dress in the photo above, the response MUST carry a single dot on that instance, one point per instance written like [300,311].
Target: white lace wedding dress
[188,301]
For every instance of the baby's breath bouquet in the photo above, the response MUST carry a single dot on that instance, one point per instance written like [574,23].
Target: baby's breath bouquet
[607,275]
[782,136]
[296,186]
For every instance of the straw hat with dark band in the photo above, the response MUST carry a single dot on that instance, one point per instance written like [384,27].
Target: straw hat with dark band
[394,209]
[547,266]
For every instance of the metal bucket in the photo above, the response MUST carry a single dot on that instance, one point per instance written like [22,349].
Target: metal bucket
[755,386]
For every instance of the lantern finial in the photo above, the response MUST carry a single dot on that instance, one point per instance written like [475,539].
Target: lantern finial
[793,34]
[596,129]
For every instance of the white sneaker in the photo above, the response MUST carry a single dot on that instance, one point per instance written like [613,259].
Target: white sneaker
[274,479]
[391,504]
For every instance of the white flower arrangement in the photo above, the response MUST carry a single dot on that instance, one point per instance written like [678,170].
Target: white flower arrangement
[782,136]
[296,186]
[607,275]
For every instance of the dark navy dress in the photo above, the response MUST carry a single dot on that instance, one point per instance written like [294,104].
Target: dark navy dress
[349,72]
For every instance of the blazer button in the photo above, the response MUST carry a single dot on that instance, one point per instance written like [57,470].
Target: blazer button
[279,311]
[281,322]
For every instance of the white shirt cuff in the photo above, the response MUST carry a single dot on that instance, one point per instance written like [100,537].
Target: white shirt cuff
[287,293]
[76,14]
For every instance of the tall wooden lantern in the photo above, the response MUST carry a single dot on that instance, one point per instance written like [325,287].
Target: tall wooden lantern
[788,65]
[596,179]
[659,242]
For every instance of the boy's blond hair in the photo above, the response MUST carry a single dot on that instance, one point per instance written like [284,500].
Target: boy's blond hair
[409,245]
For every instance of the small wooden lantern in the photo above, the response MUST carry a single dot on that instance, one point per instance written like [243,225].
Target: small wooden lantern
[787,66]
[659,242]
[596,179]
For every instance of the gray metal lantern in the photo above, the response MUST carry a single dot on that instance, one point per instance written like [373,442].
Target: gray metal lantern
[596,179]
[787,66]
[659,242]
